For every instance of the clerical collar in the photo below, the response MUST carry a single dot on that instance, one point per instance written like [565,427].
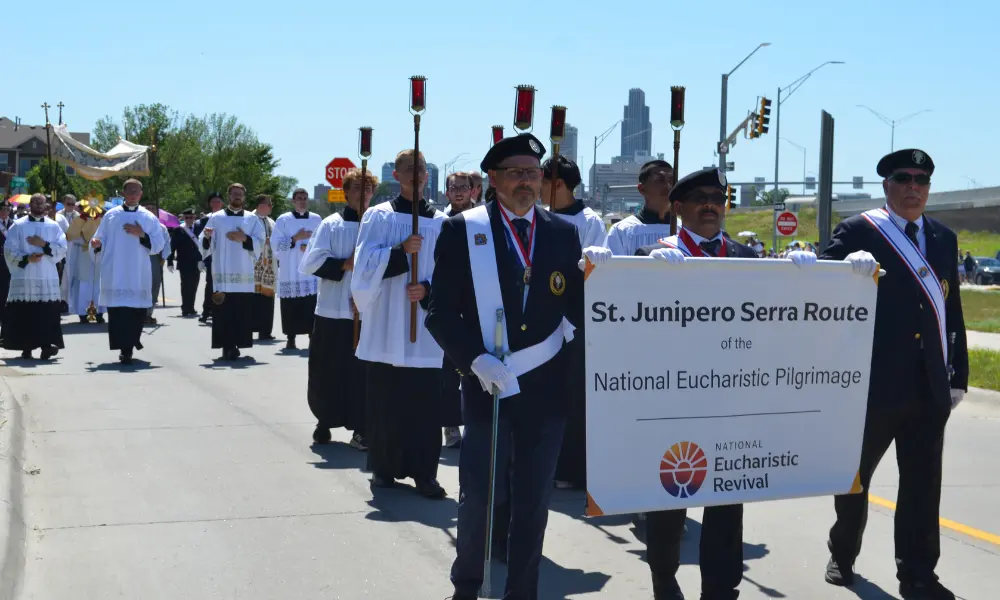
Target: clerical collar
[700,240]
[573,209]
[128,208]
[351,215]
[298,215]
[528,215]
[36,220]
[402,205]
[648,217]
[231,213]
[901,222]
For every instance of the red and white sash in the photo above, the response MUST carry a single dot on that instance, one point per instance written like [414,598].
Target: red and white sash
[686,244]
[916,263]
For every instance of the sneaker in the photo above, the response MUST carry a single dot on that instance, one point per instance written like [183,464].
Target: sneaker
[452,437]
[358,442]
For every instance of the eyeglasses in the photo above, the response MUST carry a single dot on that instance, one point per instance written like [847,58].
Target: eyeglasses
[534,173]
[904,178]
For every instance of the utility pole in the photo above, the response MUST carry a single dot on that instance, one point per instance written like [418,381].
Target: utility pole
[723,147]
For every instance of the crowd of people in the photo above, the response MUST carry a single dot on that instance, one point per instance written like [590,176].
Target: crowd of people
[475,320]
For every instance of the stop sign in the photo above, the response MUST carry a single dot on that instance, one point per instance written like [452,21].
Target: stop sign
[788,224]
[336,170]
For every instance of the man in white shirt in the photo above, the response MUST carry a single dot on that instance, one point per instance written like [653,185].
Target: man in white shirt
[127,236]
[296,290]
[34,246]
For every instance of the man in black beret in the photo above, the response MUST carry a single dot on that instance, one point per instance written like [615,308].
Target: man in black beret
[699,199]
[508,256]
[184,247]
[920,369]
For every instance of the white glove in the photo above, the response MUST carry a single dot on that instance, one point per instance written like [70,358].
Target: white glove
[201,266]
[672,256]
[956,397]
[863,262]
[491,372]
[597,256]
[801,258]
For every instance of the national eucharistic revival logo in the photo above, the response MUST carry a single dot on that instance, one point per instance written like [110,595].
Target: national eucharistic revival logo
[683,469]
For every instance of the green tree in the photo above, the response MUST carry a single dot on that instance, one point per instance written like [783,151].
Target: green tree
[39,177]
[767,198]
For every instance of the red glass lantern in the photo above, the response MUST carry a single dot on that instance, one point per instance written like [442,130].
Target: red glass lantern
[524,109]
[677,106]
[418,93]
[558,126]
[497,134]
[365,142]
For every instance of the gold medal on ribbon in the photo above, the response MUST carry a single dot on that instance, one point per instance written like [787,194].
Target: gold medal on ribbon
[527,275]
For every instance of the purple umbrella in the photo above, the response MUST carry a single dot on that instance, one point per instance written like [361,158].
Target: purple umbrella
[169,220]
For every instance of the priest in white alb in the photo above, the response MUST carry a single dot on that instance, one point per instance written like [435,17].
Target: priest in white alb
[34,246]
[296,290]
[404,377]
[127,236]
[233,238]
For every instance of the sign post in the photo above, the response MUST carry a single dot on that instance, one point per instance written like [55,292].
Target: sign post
[335,172]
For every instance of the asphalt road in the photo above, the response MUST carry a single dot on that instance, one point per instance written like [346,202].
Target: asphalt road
[182,478]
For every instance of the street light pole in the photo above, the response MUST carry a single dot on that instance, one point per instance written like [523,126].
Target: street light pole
[893,122]
[790,88]
[598,140]
[725,105]
[803,164]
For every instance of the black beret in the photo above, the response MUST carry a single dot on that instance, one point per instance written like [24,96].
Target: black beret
[911,158]
[708,177]
[519,145]
[187,211]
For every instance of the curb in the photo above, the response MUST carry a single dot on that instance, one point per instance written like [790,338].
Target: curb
[12,525]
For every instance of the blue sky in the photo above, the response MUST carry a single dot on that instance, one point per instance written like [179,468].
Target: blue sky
[306,74]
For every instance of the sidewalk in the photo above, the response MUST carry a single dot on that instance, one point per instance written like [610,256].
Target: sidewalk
[981,339]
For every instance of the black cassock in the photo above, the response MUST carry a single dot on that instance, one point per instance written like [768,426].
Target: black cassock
[297,315]
[263,314]
[337,379]
[404,437]
[30,325]
[232,321]
[4,271]
[125,327]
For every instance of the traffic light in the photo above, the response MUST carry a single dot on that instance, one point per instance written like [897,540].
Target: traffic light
[765,116]
[730,196]
[753,126]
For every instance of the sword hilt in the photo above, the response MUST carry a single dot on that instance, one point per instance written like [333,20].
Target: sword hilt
[951,352]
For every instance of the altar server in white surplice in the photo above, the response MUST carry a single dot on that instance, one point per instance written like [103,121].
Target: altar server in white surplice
[35,245]
[234,238]
[404,378]
[127,236]
[296,290]
[652,223]
[336,388]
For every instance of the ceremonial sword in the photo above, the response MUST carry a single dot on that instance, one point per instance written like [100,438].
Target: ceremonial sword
[497,352]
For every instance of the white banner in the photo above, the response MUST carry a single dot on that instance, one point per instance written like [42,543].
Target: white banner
[724,381]
[125,159]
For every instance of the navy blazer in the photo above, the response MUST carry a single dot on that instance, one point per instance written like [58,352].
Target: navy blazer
[906,330]
[184,249]
[453,317]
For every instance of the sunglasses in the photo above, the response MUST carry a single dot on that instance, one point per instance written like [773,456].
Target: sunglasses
[919,179]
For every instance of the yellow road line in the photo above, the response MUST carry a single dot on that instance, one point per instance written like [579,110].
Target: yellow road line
[947,523]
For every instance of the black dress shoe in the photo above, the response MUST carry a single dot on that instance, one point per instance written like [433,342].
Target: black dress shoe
[125,358]
[290,344]
[924,590]
[49,351]
[839,572]
[26,355]
[321,435]
[379,481]
[100,319]
[430,488]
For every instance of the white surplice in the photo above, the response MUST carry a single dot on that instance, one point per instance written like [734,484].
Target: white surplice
[34,282]
[334,238]
[232,263]
[126,275]
[589,226]
[383,304]
[292,283]
[82,269]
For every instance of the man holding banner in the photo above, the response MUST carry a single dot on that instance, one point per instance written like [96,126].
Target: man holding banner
[920,370]
[699,199]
